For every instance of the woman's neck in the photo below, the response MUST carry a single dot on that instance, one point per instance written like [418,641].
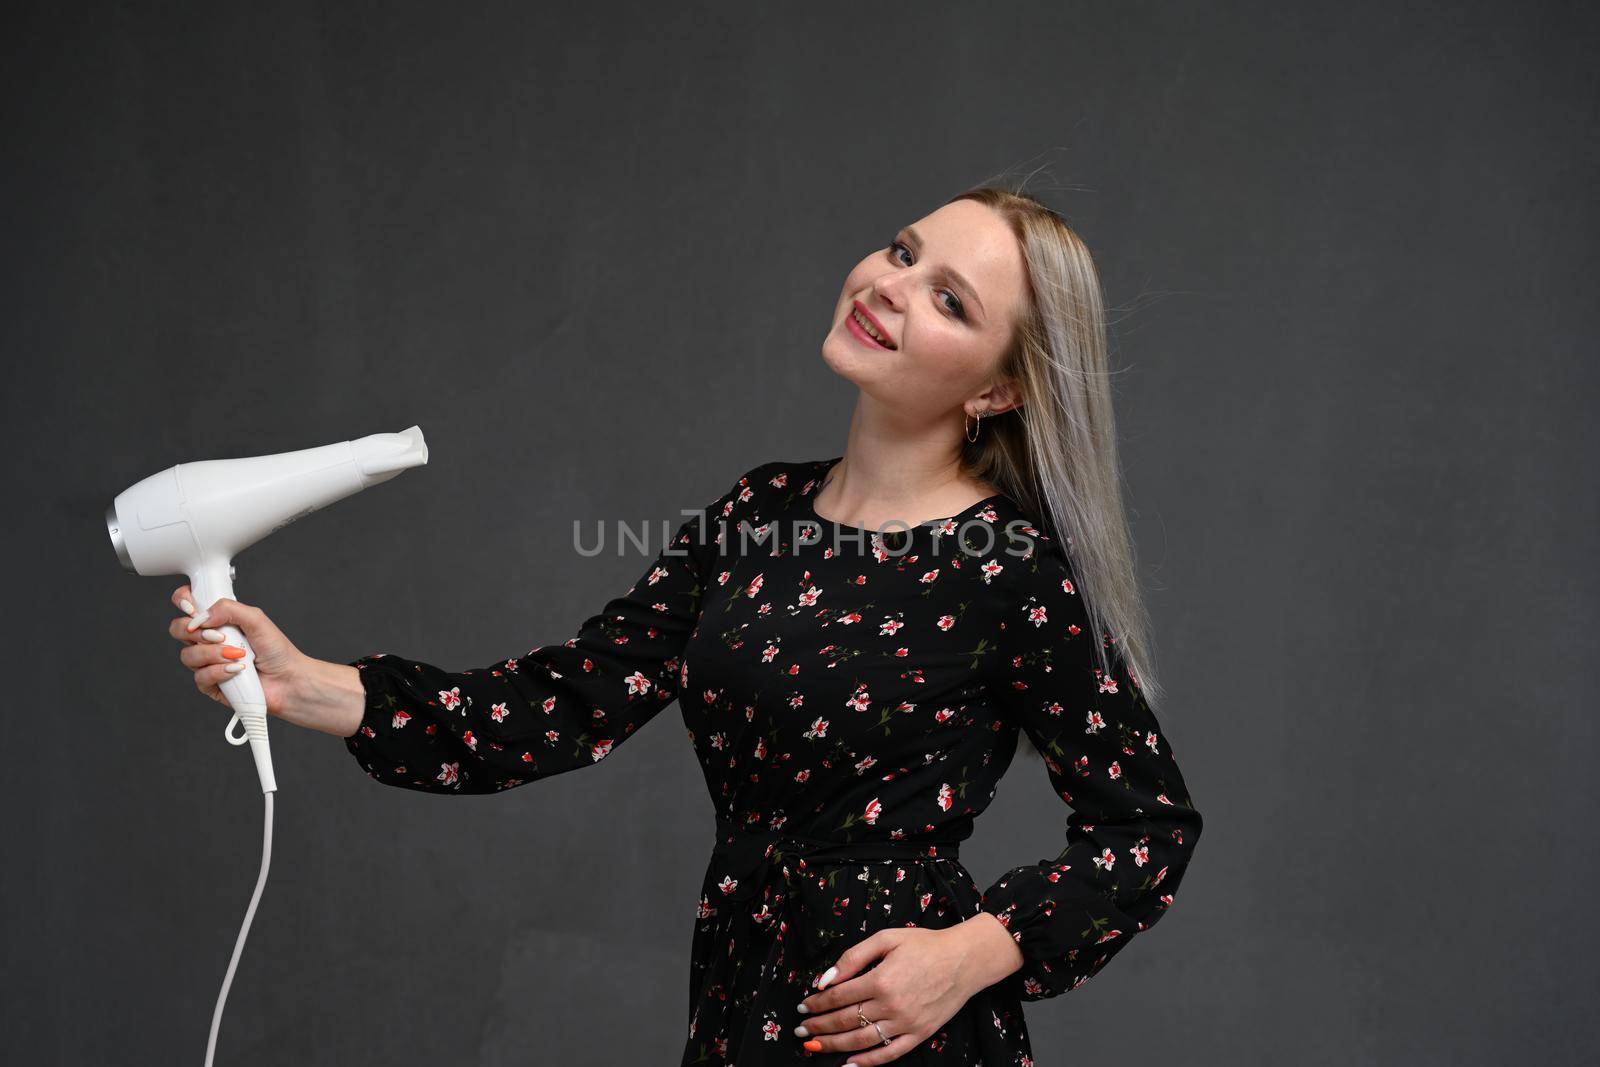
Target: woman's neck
[896,487]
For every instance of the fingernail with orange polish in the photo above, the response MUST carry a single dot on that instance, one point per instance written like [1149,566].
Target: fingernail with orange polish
[232,652]
[812,1046]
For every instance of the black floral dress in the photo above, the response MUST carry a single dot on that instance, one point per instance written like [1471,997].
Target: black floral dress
[854,698]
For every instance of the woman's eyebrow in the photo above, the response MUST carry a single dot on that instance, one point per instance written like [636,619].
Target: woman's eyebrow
[955,275]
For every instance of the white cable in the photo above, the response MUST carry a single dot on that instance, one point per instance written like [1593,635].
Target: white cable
[266,859]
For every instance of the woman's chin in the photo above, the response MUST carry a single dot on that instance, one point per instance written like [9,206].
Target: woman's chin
[851,360]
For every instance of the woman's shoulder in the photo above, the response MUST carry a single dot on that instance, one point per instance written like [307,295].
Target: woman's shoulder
[1024,557]
[779,478]
[757,487]
[788,474]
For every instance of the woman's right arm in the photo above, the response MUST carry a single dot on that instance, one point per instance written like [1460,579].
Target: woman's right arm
[557,708]
[327,697]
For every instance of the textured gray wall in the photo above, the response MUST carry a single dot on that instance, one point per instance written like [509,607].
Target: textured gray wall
[593,252]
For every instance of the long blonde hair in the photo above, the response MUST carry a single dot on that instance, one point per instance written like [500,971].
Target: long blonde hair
[1056,454]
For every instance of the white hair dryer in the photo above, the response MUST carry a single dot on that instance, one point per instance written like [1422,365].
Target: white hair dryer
[193,518]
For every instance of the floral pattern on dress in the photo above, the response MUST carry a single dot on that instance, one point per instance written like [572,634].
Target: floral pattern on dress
[853,698]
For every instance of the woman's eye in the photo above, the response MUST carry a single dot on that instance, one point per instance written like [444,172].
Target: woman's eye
[896,247]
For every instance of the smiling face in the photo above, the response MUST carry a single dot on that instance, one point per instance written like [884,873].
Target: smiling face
[945,295]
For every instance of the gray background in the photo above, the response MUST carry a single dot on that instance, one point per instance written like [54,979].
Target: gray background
[593,252]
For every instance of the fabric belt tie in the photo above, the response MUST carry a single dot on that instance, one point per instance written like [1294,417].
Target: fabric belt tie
[747,858]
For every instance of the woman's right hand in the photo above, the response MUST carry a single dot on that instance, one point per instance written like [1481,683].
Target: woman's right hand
[278,662]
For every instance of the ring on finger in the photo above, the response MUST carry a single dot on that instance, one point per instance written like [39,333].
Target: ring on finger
[864,1022]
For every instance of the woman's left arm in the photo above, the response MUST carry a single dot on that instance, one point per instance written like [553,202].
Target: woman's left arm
[1132,831]
[1133,826]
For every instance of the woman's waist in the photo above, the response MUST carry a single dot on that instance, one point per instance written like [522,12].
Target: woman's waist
[833,894]
[748,837]
[745,857]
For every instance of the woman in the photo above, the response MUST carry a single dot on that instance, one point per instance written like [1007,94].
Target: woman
[855,644]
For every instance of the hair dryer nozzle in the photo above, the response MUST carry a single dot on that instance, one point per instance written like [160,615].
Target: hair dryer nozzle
[380,456]
[114,528]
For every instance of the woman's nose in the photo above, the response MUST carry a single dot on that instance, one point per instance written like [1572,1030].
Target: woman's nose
[886,290]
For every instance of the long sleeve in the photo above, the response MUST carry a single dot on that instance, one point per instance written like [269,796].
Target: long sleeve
[558,708]
[1133,826]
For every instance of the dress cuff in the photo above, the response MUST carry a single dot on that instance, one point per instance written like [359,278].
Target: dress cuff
[1051,955]
[367,744]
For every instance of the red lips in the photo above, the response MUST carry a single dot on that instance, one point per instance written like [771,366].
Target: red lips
[876,325]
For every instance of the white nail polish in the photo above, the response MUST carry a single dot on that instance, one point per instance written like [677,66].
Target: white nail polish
[213,635]
[802,1009]
[198,619]
[234,668]
[188,608]
[801,1031]
[827,976]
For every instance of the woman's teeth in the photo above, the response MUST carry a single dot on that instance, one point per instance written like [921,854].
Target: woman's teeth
[867,326]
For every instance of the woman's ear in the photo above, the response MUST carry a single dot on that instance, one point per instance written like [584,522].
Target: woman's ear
[1003,396]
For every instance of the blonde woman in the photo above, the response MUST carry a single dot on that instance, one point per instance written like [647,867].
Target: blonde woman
[856,644]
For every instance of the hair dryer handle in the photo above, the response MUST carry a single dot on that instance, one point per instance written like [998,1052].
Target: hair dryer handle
[243,690]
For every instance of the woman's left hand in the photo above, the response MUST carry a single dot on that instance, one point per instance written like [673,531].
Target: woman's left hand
[922,979]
